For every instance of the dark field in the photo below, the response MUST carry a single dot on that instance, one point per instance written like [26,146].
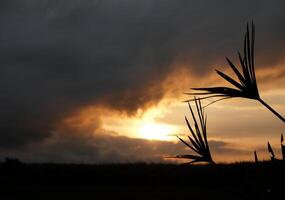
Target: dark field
[142,181]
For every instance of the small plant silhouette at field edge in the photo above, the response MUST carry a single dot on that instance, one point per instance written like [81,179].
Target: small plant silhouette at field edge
[282,147]
[270,150]
[255,157]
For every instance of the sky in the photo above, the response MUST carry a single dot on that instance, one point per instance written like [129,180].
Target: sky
[103,81]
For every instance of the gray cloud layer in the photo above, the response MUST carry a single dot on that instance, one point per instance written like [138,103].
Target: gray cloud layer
[59,55]
[68,148]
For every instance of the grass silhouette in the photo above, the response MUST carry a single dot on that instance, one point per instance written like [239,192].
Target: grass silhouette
[270,150]
[282,147]
[246,86]
[255,157]
[198,141]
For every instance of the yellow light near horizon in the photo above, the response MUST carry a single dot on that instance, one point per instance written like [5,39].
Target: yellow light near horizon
[153,131]
[149,124]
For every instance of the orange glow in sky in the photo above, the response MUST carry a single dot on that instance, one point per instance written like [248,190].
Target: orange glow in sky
[234,122]
[146,125]
[155,131]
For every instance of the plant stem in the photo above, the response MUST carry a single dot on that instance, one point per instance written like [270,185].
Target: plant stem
[272,110]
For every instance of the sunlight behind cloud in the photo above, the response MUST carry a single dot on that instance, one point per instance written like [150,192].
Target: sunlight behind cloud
[155,131]
[145,125]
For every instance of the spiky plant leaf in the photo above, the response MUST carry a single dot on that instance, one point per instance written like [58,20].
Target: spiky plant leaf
[246,85]
[282,148]
[270,150]
[255,157]
[188,145]
[198,141]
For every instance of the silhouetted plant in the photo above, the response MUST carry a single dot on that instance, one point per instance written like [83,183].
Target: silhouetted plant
[270,150]
[198,140]
[282,148]
[255,157]
[246,87]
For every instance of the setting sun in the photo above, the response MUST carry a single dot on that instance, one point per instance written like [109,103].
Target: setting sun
[154,131]
[148,124]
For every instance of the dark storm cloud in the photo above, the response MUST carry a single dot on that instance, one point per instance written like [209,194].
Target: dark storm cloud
[59,55]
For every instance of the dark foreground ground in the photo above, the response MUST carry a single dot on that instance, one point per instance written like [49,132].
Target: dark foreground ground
[142,181]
